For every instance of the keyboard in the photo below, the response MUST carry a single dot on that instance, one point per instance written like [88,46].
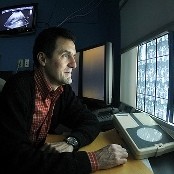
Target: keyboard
[105,117]
[105,114]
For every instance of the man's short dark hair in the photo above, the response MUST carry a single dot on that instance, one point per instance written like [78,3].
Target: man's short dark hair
[46,41]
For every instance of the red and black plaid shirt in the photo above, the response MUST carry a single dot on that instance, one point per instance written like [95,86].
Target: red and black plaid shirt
[44,105]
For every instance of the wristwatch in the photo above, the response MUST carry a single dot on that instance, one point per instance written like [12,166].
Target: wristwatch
[72,141]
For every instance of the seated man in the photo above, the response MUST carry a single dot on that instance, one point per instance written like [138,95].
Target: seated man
[35,103]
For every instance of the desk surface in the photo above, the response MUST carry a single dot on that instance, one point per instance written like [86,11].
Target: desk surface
[103,139]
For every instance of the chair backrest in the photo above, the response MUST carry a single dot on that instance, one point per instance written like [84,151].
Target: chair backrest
[2,83]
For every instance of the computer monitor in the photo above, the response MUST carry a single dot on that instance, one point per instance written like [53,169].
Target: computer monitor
[97,74]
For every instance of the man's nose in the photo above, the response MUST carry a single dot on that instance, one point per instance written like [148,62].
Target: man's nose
[72,63]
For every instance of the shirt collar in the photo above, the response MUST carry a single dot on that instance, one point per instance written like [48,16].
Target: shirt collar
[44,86]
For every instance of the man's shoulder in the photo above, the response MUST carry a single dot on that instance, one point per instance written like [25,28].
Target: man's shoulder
[24,77]
[25,73]
[22,81]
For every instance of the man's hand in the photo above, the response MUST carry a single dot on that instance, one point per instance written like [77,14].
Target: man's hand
[61,146]
[111,156]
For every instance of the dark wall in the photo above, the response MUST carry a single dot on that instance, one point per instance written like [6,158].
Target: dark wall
[143,20]
[92,21]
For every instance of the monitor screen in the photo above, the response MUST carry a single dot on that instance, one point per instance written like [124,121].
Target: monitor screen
[97,74]
[18,19]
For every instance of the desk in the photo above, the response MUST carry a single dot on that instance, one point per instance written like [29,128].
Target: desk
[104,138]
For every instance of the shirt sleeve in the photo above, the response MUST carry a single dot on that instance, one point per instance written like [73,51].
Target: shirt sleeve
[93,161]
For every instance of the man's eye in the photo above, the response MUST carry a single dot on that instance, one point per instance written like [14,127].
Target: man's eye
[66,55]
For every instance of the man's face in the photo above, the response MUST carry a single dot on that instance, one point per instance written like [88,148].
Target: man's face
[58,68]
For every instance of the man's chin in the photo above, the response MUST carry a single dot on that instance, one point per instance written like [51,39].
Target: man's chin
[68,82]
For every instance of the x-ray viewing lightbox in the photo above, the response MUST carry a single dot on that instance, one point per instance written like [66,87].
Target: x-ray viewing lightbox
[143,135]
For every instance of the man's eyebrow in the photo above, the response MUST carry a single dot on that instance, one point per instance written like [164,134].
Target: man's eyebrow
[66,51]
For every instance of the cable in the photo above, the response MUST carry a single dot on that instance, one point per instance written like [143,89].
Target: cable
[71,17]
[87,12]
[75,12]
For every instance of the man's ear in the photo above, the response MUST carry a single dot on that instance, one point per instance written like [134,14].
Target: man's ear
[41,58]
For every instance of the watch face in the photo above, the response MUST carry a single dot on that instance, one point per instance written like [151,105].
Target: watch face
[72,141]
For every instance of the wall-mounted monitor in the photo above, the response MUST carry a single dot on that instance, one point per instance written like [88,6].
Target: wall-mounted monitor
[19,19]
[97,75]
